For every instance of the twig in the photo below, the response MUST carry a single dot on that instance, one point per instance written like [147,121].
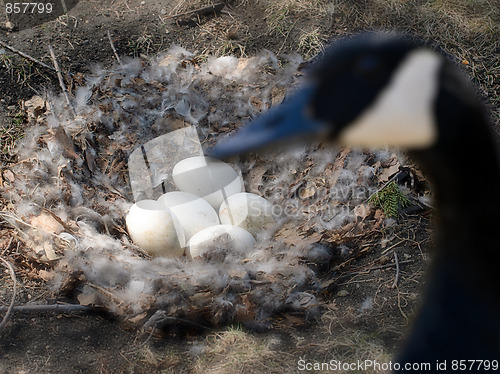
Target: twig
[61,81]
[8,245]
[392,246]
[179,4]
[201,11]
[396,278]
[65,8]
[286,38]
[400,307]
[49,308]
[27,57]
[14,292]
[114,49]
[366,271]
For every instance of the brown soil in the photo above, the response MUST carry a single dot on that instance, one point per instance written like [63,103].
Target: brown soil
[96,343]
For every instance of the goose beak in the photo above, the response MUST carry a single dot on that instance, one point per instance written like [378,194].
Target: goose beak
[287,121]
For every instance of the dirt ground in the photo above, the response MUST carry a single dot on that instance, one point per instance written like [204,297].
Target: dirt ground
[365,315]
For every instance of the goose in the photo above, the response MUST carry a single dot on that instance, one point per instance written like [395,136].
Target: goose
[377,89]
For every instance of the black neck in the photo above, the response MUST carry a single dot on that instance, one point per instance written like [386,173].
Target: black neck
[459,314]
[465,172]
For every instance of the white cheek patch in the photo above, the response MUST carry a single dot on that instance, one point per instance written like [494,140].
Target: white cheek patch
[402,115]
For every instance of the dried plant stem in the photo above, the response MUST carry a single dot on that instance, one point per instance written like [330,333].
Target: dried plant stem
[201,11]
[27,57]
[59,308]
[396,278]
[61,81]
[114,49]
[367,270]
[14,292]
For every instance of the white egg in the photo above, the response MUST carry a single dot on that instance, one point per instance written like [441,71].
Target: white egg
[216,243]
[194,213]
[155,229]
[208,178]
[248,211]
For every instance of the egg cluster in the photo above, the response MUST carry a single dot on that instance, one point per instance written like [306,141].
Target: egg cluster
[188,219]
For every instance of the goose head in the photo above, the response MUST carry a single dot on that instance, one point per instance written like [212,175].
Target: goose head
[377,90]
[369,90]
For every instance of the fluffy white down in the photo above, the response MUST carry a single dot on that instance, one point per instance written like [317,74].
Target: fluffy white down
[134,103]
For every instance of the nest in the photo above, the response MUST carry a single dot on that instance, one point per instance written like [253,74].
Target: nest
[70,190]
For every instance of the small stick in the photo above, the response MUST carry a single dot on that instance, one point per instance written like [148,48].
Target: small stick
[392,246]
[396,279]
[114,49]
[8,245]
[177,7]
[60,308]
[65,8]
[61,82]
[286,38]
[14,292]
[380,267]
[201,11]
[27,57]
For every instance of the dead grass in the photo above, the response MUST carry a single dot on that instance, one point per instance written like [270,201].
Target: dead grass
[11,131]
[143,44]
[347,346]
[311,43]
[228,37]
[281,15]
[20,70]
[236,351]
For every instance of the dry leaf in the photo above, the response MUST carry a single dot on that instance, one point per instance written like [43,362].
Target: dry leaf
[8,175]
[35,106]
[136,319]
[234,273]
[88,296]
[257,103]
[61,137]
[46,275]
[50,253]
[295,321]
[362,211]
[388,172]
[245,311]
[47,223]
[277,95]
[254,178]
[308,191]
